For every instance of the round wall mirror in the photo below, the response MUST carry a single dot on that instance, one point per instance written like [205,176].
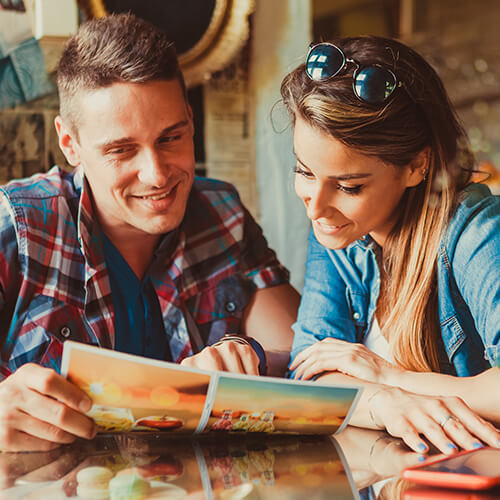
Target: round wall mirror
[207,33]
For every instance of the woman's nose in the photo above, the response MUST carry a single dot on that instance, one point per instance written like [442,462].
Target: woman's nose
[318,203]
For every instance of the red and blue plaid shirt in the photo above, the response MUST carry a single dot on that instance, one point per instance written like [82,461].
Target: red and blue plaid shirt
[54,284]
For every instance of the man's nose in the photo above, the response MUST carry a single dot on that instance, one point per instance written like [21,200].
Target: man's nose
[152,170]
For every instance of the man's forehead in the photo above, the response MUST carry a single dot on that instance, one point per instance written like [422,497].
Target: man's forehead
[122,109]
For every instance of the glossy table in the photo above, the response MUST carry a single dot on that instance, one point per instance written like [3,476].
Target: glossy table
[357,463]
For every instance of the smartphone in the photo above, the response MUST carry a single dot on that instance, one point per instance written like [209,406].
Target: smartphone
[469,470]
[430,493]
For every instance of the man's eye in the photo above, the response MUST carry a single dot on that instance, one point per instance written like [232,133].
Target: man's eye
[122,150]
[169,138]
[350,189]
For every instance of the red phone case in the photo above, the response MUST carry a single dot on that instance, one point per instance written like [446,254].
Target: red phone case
[429,493]
[451,479]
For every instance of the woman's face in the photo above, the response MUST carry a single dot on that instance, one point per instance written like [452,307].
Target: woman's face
[346,194]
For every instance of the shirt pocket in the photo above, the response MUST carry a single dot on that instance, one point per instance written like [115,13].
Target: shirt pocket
[219,308]
[453,336]
[48,322]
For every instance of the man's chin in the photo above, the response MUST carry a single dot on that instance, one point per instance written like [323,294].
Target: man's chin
[156,226]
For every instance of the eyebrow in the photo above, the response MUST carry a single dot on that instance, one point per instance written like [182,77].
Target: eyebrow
[344,177]
[127,140]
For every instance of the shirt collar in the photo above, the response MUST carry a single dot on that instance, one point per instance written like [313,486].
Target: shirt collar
[366,242]
[88,227]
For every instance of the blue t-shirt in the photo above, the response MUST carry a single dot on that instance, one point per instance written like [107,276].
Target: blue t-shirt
[139,325]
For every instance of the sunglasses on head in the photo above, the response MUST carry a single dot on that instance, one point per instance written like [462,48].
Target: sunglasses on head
[373,84]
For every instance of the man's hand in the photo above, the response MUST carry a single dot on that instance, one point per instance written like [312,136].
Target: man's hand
[40,410]
[229,356]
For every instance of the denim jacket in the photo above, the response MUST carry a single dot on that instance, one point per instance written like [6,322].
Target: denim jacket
[342,287]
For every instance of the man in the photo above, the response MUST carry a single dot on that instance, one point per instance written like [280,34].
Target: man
[128,251]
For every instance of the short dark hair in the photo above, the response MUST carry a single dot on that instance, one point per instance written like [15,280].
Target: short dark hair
[112,49]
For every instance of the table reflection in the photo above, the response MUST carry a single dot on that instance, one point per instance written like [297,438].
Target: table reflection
[357,463]
[151,467]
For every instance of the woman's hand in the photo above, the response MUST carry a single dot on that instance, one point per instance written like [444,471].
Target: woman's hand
[356,360]
[447,422]
[374,455]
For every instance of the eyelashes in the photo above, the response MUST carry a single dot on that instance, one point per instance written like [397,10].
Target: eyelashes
[352,190]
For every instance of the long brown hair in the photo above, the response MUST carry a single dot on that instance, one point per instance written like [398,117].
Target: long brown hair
[417,117]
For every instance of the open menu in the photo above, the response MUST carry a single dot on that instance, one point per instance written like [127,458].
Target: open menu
[132,393]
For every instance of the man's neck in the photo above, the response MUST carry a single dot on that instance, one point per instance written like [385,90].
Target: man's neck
[136,250]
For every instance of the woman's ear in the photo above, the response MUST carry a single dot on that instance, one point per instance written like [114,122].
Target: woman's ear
[67,141]
[418,168]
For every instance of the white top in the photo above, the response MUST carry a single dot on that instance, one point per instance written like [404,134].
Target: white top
[377,343]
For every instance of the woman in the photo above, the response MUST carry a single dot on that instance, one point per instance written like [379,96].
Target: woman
[402,288]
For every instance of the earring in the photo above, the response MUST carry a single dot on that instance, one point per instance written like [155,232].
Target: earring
[425,172]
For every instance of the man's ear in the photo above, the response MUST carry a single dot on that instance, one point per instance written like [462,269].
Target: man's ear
[67,142]
[418,168]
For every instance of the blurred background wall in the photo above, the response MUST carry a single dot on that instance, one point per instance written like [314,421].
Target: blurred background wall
[242,132]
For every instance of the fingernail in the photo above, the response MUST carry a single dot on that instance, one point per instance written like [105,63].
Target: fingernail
[477,444]
[498,443]
[422,447]
[451,446]
[85,405]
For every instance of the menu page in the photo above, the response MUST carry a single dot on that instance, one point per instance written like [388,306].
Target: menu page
[133,393]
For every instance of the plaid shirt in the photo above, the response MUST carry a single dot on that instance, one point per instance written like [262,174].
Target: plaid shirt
[54,284]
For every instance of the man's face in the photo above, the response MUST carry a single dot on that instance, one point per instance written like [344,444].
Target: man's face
[135,143]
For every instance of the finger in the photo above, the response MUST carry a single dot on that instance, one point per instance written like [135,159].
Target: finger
[230,355]
[310,368]
[333,346]
[46,381]
[249,359]
[57,414]
[435,433]
[476,425]
[457,432]
[303,355]
[405,430]
[409,459]
[40,428]
[208,359]
[16,441]
[13,465]
[320,363]
[52,471]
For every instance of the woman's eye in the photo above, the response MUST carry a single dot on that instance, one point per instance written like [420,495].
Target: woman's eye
[350,189]
[302,172]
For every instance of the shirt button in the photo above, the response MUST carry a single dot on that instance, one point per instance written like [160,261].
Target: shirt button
[65,331]
[356,315]
[230,306]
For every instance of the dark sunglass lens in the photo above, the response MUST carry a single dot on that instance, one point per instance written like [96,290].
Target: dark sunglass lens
[374,84]
[324,61]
